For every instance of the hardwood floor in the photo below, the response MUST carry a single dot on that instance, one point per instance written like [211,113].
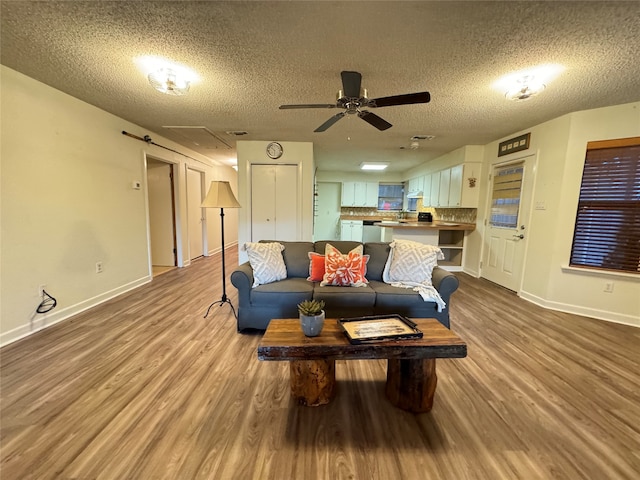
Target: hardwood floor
[143,387]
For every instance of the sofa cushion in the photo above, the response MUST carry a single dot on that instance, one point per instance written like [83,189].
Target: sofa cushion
[344,269]
[378,254]
[295,257]
[291,291]
[339,298]
[266,261]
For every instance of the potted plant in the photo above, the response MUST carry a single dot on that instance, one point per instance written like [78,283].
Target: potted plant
[311,317]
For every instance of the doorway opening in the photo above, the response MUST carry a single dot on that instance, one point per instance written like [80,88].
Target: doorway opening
[162,224]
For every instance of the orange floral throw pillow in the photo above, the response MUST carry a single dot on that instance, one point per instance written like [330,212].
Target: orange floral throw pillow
[344,270]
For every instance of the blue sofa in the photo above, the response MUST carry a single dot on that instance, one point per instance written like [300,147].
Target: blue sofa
[257,306]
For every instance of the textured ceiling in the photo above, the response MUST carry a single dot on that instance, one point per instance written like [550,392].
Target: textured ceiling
[252,57]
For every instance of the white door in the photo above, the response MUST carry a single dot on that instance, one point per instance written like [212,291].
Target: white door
[327,223]
[161,216]
[195,213]
[274,202]
[506,232]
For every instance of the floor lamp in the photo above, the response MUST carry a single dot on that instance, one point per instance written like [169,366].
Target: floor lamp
[221,196]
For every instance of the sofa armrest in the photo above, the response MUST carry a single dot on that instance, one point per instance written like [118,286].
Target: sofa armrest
[445,282]
[242,279]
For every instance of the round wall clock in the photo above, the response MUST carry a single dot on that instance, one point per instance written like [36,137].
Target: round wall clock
[274,150]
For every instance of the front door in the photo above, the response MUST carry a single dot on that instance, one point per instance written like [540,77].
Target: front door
[506,232]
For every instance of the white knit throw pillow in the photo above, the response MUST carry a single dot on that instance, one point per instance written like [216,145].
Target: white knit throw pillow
[266,261]
[411,262]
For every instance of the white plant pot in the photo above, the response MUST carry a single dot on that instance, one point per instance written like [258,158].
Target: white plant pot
[312,325]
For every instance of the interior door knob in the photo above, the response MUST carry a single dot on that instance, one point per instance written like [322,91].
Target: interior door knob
[521,236]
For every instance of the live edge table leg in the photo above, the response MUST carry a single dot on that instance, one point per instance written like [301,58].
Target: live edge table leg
[313,382]
[411,384]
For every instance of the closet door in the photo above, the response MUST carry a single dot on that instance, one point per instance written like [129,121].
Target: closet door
[274,202]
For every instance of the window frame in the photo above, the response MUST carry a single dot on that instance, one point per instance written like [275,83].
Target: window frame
[606,234]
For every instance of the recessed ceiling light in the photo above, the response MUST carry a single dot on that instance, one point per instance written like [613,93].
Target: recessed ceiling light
[373,166]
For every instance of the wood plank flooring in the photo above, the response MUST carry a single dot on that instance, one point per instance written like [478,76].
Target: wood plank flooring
[143,387]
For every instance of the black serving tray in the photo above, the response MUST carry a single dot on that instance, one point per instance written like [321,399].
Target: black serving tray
[378,328]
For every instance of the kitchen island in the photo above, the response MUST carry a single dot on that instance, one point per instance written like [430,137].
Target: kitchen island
[449,236]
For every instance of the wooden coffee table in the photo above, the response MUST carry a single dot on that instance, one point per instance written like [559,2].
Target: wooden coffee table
[411,367]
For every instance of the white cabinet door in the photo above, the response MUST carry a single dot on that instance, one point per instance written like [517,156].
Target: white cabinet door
[435,190]
[455,186]
[359,194]
[348,194]
[443,195]
[372,194]
[345,230]
[426,191]
[351,230]
[356,231]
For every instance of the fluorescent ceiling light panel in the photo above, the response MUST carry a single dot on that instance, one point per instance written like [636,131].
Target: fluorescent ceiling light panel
[373,166]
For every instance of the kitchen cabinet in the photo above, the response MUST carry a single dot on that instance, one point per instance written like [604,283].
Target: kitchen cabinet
[351,230]
[455,186]
[443,194]
[434,197]
[415,187]
[359,194]
[448,188]
[426,190]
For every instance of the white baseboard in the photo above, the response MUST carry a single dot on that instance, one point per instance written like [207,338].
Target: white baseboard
[42,321]
[584,311]
[473,273]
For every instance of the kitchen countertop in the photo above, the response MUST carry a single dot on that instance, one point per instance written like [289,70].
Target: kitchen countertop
[427,225]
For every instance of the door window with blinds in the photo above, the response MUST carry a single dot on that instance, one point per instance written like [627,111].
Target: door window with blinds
[607,231]
[505,197]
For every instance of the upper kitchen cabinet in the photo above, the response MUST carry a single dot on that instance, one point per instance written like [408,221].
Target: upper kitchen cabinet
[454,187]
[359,194]
[415,187]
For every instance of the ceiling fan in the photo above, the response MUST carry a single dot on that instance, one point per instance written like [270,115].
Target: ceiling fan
[352,99]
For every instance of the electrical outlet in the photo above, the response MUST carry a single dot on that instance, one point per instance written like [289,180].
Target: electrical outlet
[608,287]
[99,267]
[41,289]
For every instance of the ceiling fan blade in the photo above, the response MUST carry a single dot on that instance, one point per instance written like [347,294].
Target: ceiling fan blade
[330,122]
[407,99]
[375,120]
[310,105]
[351,84]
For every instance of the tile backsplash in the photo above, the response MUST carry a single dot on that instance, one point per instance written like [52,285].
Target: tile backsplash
[462,215]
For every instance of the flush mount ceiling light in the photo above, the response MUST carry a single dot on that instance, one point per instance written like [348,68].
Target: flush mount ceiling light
[167,80]
[525,88]
[373,166]
[524,84]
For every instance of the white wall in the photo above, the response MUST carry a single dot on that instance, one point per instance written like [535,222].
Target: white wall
[67,202]
[560,147]
[294,153]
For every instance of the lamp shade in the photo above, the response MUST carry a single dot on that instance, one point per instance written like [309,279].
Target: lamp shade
[220,195]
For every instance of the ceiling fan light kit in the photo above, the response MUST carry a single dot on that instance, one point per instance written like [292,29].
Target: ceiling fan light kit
[353,98]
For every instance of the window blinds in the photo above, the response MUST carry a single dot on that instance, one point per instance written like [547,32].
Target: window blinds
[607,231]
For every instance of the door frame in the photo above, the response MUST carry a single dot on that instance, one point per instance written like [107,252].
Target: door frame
[203,215]
[527,211]
[176,208]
